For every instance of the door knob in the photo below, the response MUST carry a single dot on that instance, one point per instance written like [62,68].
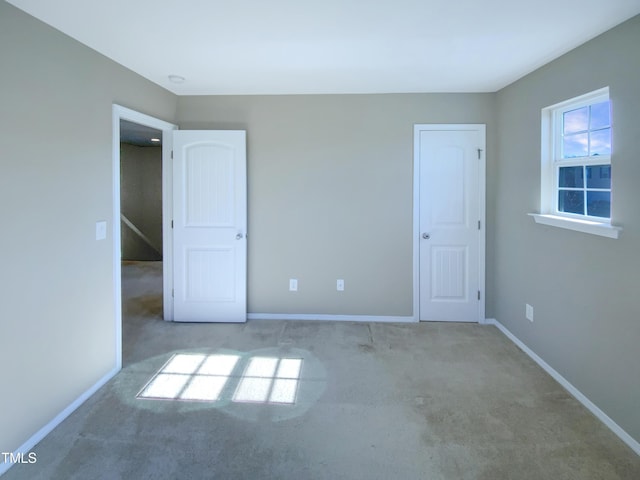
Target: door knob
[239,236]
[426,236]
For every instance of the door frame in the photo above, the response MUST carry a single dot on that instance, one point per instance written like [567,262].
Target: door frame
[123,113]
[482,174]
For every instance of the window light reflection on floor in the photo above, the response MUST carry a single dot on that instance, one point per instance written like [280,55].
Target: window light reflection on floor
[199,377]
[269,380]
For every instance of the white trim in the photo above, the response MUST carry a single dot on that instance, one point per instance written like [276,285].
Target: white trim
[334,318]
[167,225]
[482,214]
[601,94]
[579,225]
[482,174]
[416,224]
[593,408]
[122,113]
[27,446]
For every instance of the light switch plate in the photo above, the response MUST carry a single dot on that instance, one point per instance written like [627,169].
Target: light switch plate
[293,285]
[529,312]
[101,230]
[340,285]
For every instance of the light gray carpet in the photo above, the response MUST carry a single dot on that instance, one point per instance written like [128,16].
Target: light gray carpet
[374,401]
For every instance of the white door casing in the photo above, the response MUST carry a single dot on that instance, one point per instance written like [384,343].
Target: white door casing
[209,226]
[449,222]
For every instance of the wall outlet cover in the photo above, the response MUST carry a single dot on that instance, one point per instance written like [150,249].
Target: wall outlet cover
[529,312]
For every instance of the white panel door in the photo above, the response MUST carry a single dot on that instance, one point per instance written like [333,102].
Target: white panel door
[450,212]
[209,226]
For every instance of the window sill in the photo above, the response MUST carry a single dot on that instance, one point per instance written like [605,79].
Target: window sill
[585,226]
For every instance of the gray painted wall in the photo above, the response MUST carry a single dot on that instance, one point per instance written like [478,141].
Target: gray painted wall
[329,194]
[57,310]
[583,288]
[330,181]
[141,200]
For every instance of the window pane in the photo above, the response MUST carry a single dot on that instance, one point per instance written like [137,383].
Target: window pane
[600,115]
[601,142]
[576,120]
[598,176]
[571,201]
[571,177]
[599,204]
[575,145]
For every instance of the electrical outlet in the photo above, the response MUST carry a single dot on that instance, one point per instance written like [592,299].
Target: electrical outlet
[529,312]
[293,284]
[340,285]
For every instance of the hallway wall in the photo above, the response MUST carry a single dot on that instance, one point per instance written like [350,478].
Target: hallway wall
[141,201]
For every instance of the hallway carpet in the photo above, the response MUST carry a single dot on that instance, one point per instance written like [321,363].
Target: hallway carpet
[355,401]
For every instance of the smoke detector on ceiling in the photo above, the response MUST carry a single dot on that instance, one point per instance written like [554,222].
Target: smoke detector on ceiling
[176,79]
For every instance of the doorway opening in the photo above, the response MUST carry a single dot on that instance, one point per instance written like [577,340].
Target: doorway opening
[140,226]
[140,192]
[141,207]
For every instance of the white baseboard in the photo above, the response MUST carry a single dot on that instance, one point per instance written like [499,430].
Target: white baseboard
[334,318]
[592,407]
[26,447]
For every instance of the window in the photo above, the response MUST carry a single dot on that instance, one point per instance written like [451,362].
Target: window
[576,164]
[582,137]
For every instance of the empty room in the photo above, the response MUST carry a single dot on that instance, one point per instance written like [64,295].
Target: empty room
[320,240]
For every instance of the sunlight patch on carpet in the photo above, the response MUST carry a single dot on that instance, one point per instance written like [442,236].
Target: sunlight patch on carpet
[215,377]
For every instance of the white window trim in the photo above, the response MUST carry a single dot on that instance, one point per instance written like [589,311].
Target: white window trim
[548,214]
[579,225]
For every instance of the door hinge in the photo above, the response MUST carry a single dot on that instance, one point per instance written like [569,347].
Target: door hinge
[478,294]
[172,292]
[479,153]
[479,224]
[171,223]
[171,154]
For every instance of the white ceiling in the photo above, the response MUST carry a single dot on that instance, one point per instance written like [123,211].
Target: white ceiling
[332,46]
